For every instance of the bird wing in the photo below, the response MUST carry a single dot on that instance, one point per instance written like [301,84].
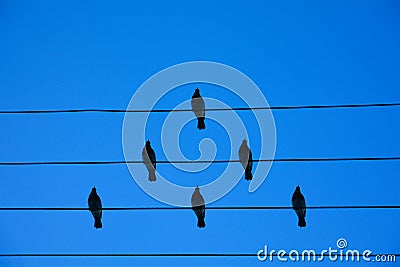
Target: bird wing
[152,156]
[95,205]
[200,211]
[145,157]
[197,199]
[243,155]
[149,157]
[250,162]
[198,106]
[299,205]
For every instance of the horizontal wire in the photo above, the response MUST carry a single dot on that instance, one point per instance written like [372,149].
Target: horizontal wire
[208,208]
[198,161]
[173,255]
[190,110]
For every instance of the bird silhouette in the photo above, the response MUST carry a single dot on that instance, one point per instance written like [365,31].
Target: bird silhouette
[149,159]
[246,159]
[199,207]
[95,208]
[199,109]
[299,206]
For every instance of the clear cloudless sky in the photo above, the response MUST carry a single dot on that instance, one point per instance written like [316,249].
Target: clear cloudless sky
[95,54]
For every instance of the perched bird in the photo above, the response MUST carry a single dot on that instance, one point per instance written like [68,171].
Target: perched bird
[199,207]
[199,109]
[149,159]
[246,159]
[95,208]
[299,205]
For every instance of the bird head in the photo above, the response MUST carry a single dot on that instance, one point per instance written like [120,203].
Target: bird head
[244,141]
[196,93]
[94,189]
[148,142]
[298,188]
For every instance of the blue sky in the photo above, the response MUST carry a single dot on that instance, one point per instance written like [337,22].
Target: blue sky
[56,55]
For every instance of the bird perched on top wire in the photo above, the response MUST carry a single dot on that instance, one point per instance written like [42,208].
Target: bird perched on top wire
[199,109]
[246,159]
[199,207]
[149,159]
[95,208]
[299,206]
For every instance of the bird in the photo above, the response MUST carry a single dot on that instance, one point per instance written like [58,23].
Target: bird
[199,208]
[299,206]
[95,208]
[149,159]
[246,159]
[199,109]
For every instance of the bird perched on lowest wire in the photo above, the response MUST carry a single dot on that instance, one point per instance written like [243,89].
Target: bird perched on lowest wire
[246,159]
[299,206]
[149,159]
[199,207]
[95,208]
[199,109]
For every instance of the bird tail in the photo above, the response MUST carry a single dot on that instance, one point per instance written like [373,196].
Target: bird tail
[200,123]
[302,222]
[247,175]
[97,223]
[152,176]
[200,222]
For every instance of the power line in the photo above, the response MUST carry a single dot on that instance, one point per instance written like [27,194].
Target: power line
[189,110]
[196,161]
[172,255]
[208,208]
